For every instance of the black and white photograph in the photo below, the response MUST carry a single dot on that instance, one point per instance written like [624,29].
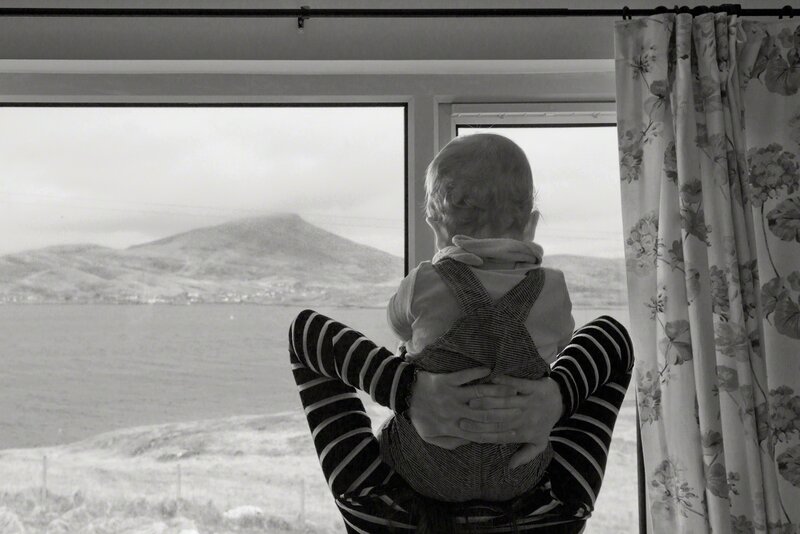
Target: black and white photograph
[381,267]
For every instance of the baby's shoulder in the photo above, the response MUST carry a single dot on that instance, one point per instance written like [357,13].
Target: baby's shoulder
[424,268]
[424,276]
[553,274]
[421,275]
[554,279]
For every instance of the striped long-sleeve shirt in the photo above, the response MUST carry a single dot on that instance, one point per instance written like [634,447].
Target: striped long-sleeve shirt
[330,361]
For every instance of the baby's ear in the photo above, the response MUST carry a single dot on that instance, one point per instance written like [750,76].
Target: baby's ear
[530,228]
[439,231]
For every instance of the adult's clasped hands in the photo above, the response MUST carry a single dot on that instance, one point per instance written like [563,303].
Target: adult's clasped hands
[447,413]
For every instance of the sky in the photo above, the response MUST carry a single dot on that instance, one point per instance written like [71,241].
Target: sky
[123,176]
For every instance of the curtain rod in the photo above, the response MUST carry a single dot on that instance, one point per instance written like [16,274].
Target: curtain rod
[306,12]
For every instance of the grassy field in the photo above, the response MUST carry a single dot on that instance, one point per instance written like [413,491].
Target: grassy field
[182,478]
[173,478]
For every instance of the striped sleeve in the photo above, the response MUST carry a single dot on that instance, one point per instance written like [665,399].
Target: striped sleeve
[333,350]
[598,352]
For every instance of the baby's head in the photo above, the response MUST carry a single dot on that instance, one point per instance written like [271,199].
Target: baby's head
[480,185]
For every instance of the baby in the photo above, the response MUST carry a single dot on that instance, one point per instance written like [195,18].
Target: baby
[484,301]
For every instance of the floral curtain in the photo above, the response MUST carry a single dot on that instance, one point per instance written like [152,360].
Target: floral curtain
[711,213]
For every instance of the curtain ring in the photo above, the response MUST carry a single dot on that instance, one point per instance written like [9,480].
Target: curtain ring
[626,13]
[788,10]
[301,20]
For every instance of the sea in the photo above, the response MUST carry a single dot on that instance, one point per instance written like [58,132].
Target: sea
[69,372]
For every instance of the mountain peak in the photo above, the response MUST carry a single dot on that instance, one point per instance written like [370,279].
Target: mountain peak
[238,230]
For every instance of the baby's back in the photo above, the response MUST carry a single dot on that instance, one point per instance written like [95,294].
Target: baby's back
[491,334]
[435,307]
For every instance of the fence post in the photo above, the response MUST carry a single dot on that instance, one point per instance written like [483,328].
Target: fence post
[43,494]
[302,516]
[178,493]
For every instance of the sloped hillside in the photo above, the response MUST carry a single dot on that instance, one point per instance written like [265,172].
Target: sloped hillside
[278,259]
[271,259]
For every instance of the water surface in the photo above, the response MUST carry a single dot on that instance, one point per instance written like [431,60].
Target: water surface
[68,372]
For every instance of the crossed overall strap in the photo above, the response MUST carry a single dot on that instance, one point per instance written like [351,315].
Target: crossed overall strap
[489,332]
[471,295]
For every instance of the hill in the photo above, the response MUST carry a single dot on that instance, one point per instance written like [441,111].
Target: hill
[592,281]
[271,259]
[278,259]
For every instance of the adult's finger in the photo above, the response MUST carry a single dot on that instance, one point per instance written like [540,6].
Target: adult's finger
[495,403]
[490,416]
[520,384]
[479,391]
[487,428]
[458,378]
[462,411]
[443,415]
[508,436]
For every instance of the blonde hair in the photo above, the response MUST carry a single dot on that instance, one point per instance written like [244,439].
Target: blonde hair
[480,185]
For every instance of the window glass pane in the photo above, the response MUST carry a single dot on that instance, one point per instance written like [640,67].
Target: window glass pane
[576,177]
[151,260]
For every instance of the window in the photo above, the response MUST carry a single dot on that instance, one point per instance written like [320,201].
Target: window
[148,275]
[576,175]
[154,61]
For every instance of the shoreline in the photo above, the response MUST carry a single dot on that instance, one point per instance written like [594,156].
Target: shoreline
[117,432]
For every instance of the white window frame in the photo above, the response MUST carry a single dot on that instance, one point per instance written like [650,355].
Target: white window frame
[533,114]
[534,83]
[430,98]
[501,115]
